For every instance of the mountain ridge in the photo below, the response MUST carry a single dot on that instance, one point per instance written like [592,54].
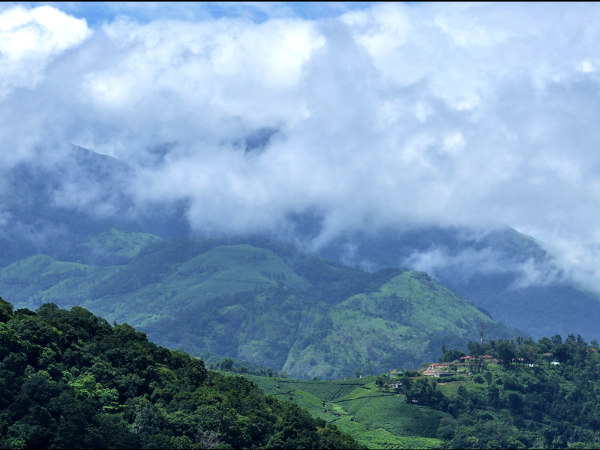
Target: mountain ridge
[248,302]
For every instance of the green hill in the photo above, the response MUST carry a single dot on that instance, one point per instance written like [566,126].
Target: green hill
[68,379]
[273,307]
[508,274]
[506,394]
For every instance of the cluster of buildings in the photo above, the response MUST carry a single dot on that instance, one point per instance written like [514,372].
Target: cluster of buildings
[438,370]
[464,364]
[451,368]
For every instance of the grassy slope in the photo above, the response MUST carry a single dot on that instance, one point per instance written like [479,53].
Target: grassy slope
[408,314]
[248,302]
[40,278]
[224,270]
[119,244]
[375,418]
[542,310]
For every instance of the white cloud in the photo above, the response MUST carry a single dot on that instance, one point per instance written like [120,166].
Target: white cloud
[30,39]
[427,113]
[587,66]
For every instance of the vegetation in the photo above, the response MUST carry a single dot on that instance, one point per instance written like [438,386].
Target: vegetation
[271,306]
[507,394]
[68,379]
[484,267]
[376,417]
[544,394]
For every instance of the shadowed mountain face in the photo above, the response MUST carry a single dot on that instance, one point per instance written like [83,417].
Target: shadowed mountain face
[49,207]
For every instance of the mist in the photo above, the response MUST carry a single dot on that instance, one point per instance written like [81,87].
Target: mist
[389,115]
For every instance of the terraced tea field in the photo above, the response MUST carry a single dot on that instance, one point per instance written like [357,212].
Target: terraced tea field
[377,418]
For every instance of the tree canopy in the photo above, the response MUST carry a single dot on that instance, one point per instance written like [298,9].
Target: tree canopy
[69,379]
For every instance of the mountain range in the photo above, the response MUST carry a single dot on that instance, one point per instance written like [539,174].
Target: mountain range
[361,300]
[274,307]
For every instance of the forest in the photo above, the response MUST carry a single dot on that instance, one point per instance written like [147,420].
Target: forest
[69,379]
[540,394]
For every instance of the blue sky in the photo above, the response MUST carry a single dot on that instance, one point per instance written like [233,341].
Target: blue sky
[391,114]
[97,13]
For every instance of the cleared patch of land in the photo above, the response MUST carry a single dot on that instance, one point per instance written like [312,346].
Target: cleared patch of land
[376,418]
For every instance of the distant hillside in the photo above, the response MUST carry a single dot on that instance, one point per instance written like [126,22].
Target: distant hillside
[52,205]
[504,272]
[71,380]
[277,308]
[509,394]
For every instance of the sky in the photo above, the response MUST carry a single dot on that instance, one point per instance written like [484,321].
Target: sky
[373,115]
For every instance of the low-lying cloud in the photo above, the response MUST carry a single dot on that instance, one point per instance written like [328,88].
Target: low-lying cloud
[461,114]
[471,263]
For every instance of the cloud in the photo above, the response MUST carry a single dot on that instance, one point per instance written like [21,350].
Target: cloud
[469,264]
[399,114]
[30,39]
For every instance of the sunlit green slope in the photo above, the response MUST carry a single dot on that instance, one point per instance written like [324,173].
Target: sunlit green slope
[279,309]
[376,418]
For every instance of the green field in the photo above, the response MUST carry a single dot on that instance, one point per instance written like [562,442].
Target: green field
[376,418]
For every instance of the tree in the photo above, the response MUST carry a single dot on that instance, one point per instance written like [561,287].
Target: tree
[6,310]
[506,351]
[562,353]
[226,364]
[528,352]
[452,355]
[474,349]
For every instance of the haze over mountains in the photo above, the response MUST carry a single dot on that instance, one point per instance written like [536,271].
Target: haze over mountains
[263,297]
[380,136]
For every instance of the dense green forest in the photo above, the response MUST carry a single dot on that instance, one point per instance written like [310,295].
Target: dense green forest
[68,379]
[262,302]
[543,394]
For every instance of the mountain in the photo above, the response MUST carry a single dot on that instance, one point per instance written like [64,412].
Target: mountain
[275,307]
[71,380]
[55,212]
[502,271]
[48,205]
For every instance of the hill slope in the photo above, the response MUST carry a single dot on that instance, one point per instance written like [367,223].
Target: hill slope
[505,272]
[282,309]
[522,394]
[70,380]
[376,418]
[500,270]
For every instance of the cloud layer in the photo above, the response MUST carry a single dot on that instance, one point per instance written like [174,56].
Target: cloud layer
[460,114]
